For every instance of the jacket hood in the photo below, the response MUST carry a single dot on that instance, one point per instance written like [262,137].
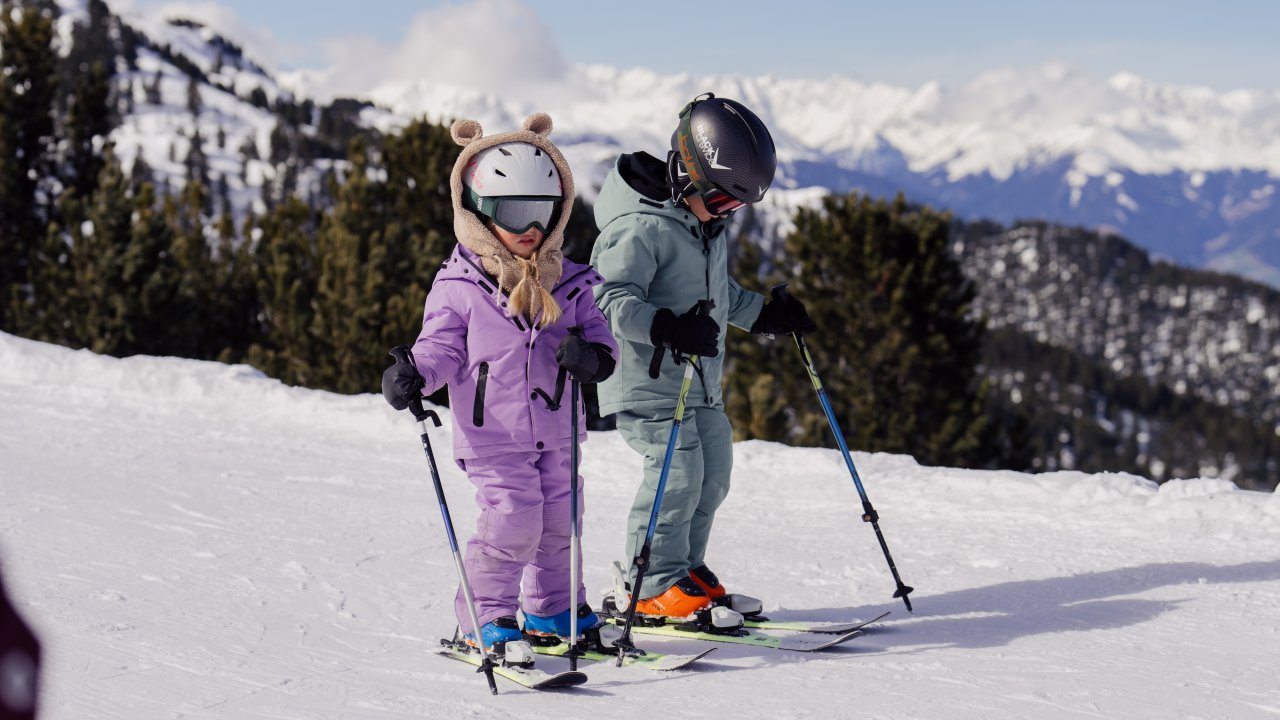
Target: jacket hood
[637,184]
[544,268]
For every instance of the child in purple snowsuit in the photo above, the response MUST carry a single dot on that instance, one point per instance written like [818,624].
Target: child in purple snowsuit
[507,321]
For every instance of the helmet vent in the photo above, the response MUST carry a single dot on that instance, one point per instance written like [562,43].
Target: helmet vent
[504,151]
[537,151]
[496,170]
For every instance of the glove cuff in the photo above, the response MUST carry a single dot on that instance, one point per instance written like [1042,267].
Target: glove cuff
[606,363]
[663,327]
[767,320]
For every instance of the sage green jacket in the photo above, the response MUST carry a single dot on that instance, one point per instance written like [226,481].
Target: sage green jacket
[654,254]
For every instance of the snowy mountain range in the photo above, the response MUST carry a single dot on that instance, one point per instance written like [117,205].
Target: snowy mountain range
[1187,173]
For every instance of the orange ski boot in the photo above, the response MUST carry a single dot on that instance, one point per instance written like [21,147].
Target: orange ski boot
[743,604]
[680,601]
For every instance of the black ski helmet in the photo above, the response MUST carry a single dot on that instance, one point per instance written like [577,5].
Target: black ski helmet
[721,149]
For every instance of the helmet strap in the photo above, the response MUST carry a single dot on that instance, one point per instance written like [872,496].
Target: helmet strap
[685,147]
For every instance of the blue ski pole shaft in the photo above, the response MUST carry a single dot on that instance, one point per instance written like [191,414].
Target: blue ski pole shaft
[422,415]
[868,512]
[641,561]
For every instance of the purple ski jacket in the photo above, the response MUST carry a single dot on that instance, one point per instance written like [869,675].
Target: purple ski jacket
[506,390]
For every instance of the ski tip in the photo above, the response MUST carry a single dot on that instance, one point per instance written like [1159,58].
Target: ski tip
[801,644]
[561,680]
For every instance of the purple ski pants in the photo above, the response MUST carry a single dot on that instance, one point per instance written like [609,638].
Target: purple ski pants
[521,544]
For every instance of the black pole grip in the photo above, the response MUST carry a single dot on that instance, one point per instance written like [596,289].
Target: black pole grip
[402,357]
[780,295]
[702,307]
[655,364]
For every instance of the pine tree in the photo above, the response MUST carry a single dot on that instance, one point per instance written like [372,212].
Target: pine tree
[419,229]
[194,103]
[354,263]
[44,315]
[152,89]
[88,71]
[28,83]
[152,273]
[194,332]
[99,295]
[235,302]
[285,277]
[754,363]
[89,123]
[897,345]
[80,295]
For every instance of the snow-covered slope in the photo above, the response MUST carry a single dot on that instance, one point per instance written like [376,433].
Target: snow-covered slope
[195,540]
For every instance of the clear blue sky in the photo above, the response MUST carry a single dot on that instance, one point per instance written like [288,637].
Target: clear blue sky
[1225,45]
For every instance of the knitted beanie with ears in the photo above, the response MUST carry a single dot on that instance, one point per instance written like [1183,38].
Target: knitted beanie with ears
[529,282]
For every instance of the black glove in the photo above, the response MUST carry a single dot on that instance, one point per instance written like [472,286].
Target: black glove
[690,333]
[586,361]
[400,384]
[783,316]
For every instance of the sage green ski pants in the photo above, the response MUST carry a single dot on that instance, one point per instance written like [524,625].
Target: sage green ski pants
[696,485]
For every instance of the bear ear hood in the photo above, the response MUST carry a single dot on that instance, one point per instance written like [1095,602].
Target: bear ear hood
[538,124]
[472,232]
[464,131]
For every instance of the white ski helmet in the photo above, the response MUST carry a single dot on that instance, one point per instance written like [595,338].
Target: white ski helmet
[514,184]
[514,168]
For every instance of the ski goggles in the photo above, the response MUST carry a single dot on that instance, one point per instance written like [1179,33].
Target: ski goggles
[719,202]
[516,214]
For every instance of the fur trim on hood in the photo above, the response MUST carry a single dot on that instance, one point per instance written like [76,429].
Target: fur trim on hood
[528,281]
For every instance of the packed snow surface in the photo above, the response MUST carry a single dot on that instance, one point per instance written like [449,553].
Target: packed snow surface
[195,540]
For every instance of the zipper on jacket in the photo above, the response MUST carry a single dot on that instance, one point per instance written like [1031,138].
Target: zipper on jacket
[477,413]
[706,253]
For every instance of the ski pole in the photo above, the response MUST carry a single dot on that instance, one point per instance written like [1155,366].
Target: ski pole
[575,540]
[421,414]
[868,512]
[641,561]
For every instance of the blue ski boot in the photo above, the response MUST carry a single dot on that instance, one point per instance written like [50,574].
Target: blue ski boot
[552,628]
[505,643]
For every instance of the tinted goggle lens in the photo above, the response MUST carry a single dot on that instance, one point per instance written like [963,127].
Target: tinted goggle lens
[520,215]
[515,214]
[721,203]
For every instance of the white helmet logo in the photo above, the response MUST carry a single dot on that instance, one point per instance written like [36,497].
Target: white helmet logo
[704,144]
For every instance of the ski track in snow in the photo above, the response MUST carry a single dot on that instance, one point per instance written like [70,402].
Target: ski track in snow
[193,540]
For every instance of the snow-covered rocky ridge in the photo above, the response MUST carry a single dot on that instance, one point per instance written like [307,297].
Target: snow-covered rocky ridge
[192,539]
[1188,173]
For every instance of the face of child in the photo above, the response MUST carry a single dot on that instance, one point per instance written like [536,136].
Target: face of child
[522,245]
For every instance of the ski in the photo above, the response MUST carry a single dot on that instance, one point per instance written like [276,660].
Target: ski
[810,627]
[662,662]
[531,678]
[801,642]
